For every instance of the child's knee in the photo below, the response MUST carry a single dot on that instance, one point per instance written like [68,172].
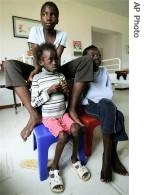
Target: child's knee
[75,129]
[63,137]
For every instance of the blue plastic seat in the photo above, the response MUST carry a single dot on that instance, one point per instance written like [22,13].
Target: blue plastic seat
[42,140]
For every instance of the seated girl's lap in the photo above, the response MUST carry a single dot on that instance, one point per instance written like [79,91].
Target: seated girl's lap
[57,125]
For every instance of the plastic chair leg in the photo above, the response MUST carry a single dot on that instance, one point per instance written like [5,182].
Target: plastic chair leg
[88,141]
[81,150]
[42,161]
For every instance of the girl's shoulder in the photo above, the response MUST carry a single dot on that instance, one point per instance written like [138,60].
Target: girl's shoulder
[61,33]
[37,28]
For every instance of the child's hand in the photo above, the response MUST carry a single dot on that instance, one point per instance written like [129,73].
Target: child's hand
[54,88]
[35,71]
[64,87]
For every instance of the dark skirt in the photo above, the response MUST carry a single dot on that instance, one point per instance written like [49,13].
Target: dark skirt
[112,120]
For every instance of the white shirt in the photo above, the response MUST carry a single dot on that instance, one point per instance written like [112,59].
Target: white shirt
[36,36]
[100,88]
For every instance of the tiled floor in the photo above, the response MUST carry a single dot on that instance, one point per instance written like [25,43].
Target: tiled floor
[15,180]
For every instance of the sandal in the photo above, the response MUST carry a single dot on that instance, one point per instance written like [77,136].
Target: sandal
[55,181]
[81,171]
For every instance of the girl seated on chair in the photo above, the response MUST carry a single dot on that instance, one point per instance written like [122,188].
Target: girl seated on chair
[48,89]
[97,102]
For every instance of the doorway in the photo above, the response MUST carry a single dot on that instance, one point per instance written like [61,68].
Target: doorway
[109,43]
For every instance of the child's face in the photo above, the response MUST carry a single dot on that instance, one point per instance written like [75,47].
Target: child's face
[50,60]
[49,17]
[95,55]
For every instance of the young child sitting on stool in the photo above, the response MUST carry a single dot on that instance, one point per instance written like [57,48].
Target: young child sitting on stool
[48,89]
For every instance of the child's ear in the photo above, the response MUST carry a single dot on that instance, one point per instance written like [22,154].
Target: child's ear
[41,62]
[57,21]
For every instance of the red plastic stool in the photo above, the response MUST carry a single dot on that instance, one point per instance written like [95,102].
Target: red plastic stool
[90,124]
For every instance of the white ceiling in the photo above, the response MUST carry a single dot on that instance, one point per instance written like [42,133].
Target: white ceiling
[120,7]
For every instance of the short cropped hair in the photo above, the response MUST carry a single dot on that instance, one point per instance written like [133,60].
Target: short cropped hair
[51,4]
[85,51]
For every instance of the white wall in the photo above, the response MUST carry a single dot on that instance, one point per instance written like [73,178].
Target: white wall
[76,19]
[109,42]
[0,31]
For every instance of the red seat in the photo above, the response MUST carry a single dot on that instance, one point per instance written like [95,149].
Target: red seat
[90,124]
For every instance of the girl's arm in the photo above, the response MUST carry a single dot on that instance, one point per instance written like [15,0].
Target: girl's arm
[62,45]
[60,50]
[35,62]
[37,98]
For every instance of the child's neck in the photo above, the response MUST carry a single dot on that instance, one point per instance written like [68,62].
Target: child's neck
[49,31]
[50,35]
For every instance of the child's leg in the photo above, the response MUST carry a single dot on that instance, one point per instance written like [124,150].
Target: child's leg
[106,172]
[63,137]
[82,171]
[106,111]
[77,90]
[35,117]
[120,136]
[110,159]
[55,180]
[81,70]
[116,163]
[75,137]
[16,74]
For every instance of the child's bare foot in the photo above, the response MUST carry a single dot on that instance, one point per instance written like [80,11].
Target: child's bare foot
[118,167]
[75,117]
[106,172]
[34,120]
